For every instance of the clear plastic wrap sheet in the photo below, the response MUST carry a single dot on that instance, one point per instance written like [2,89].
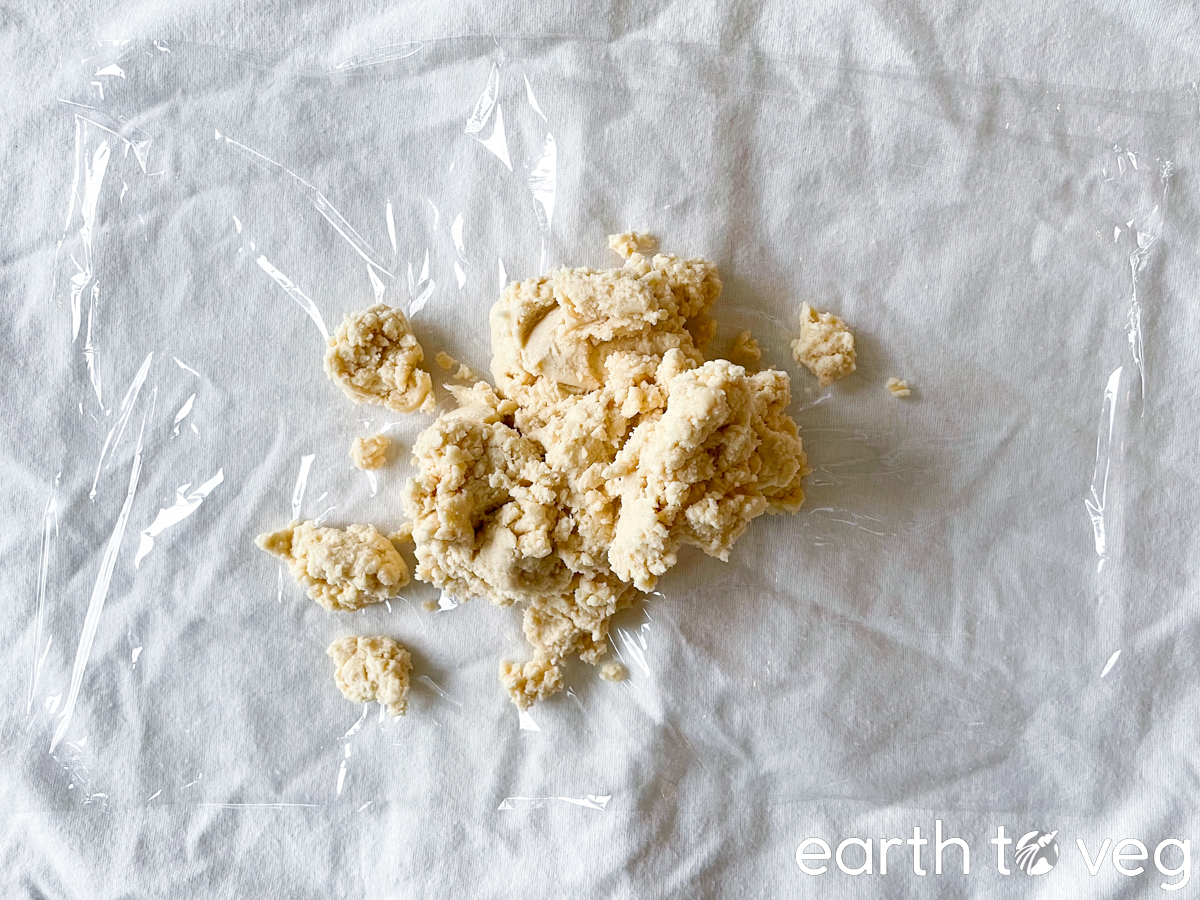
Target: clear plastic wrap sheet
[979,616]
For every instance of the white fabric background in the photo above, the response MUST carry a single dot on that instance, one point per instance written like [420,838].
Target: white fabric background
[925,640]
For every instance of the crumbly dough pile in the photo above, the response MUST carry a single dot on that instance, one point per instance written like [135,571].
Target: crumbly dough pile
[607,444]
[372,668]
[342,569]
[825,346]
[744,351]
[370,452]
[375,358]
[898,387]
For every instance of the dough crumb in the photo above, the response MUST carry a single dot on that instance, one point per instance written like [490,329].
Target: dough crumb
[825,346]
[898,387]
[466,374]
[630,242]
[607,445]
[342,569]
[445,360]
[402,535]
[744,351]
[613,671]
[430,606]
[370,452]
[535,680]
[372,669]
[375,358]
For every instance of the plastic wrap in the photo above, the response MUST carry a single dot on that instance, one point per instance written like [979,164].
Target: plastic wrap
[976,616]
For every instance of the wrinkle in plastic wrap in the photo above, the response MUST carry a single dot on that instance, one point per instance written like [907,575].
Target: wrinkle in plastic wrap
[956,621]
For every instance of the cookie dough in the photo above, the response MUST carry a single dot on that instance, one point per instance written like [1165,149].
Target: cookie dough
[607,444]
[462,373]
[375,358]
[825,346]
[532,681]
[630,242]
[372,669]
[744,351]
[613,671]
[342,569]
[898,387]
[370,452]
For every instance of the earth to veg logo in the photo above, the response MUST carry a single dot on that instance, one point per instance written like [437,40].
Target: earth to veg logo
[1035,853]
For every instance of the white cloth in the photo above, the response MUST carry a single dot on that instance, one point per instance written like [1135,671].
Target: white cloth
[982,615]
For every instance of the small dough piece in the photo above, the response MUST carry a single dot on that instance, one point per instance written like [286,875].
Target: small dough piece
[535,680]
[630,242]
[342,569]
[464,373]
[898,387]
[613,671]
[372,669]
[370,452]
[825,346]
[402,535]
[375,358]
[744,351]
[430,606]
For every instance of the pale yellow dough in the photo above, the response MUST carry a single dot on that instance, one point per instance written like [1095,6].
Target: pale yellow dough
[375,358]
[744,351]
[630,242]
[342,569]
[370,452]
[372,669]
[448,362]
[607,444]
[613,671]
[898,387]
[825,346]
[529,682]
